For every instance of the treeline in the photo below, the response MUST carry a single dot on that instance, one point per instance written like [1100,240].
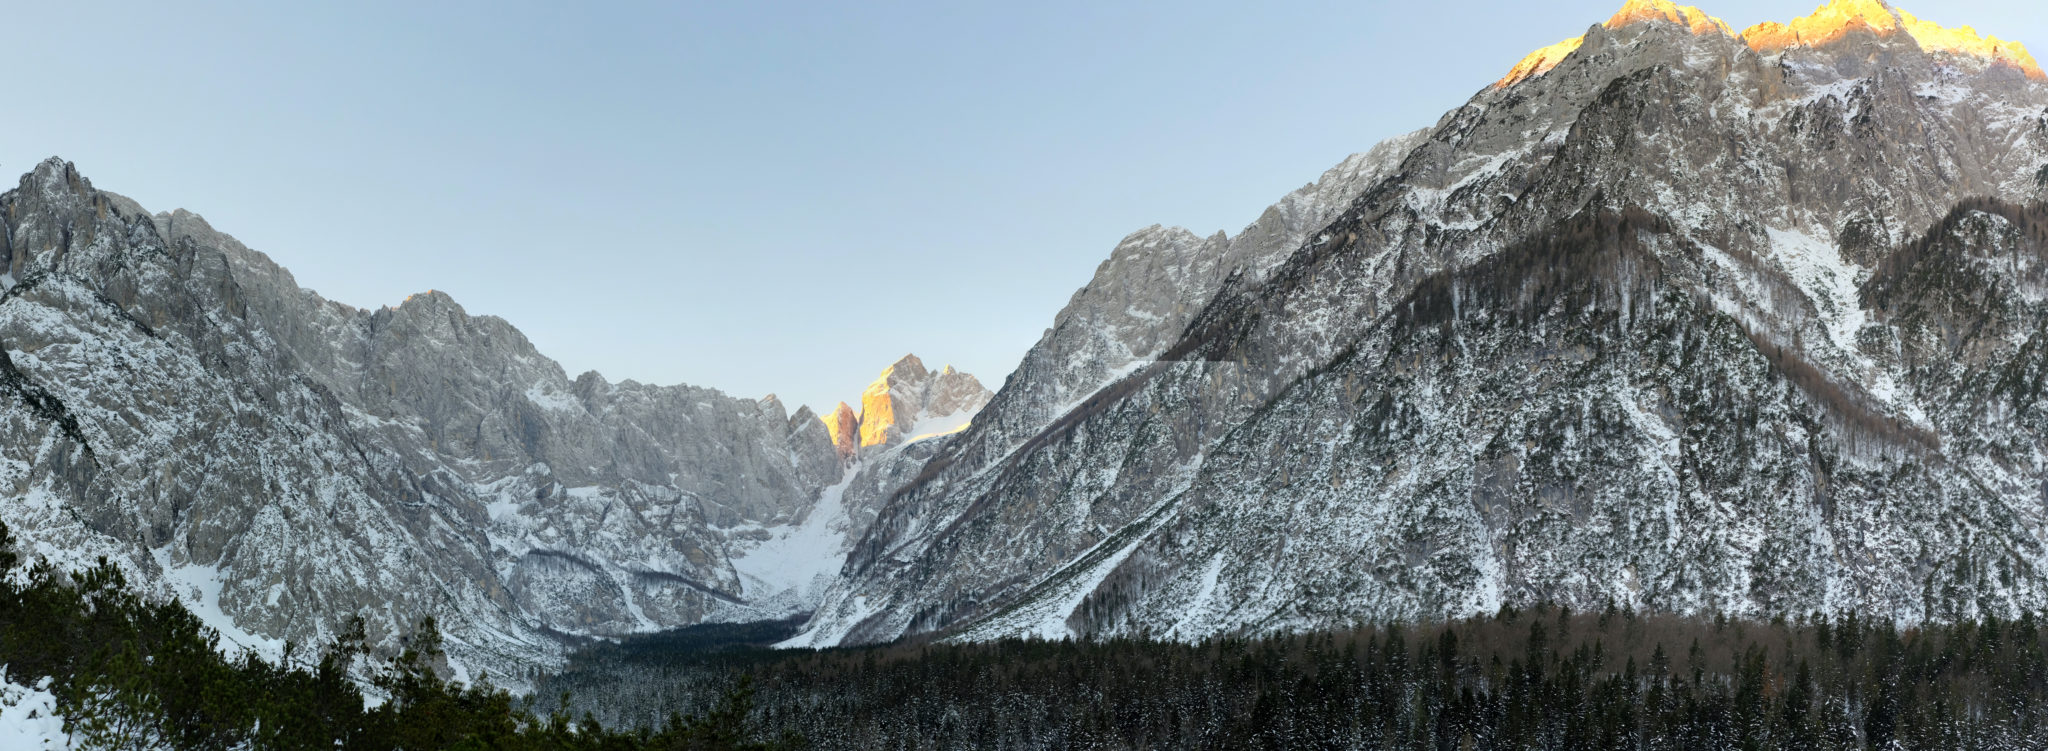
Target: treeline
[1541,678]
[132,673]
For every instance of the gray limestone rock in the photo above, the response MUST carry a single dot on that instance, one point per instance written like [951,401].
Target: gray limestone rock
[179,403]
[1679,323]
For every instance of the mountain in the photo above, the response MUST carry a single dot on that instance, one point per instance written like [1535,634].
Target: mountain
[907,413]
[1670,316]
[176,402]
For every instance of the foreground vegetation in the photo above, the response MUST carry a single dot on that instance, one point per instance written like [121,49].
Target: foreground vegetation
[130,673]
[1542,678]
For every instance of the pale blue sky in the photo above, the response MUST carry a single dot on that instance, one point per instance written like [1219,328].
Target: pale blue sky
[754,196]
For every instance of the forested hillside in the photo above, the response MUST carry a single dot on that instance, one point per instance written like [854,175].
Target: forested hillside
[131,673]
[1543,678]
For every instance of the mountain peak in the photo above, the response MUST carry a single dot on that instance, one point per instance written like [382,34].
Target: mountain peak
[1643,11]
[1826,25]
[906,402]
[432,297]
[909,365]
[1632,12]
[1830,23]
[55,176]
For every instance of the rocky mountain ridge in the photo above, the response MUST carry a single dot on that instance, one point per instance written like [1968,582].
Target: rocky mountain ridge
[280,461]
[906,402]
[1670,317]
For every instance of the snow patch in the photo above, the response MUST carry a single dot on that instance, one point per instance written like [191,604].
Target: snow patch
[545,397]
[198,587]
[1830,282]
[928,426]
[801,555]
[832,632]
[28,717]
[1205,597]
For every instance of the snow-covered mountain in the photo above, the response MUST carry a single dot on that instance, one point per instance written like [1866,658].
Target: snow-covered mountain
[1670,316]
[907,413]
[176,402]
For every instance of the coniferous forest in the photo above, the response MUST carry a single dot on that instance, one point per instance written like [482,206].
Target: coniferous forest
[1539,678]
[132,673]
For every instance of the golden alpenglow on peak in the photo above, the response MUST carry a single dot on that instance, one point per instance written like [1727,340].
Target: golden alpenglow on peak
[1639,11]
[1826,24]
[1633,12]
[1541,61]
[1964,40]
[844,427]
[1829,23]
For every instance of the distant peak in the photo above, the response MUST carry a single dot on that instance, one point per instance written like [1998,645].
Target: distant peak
[906,402]
[1839,18]
[1643,11]
[908,364]
[1632,12]
[1827,24]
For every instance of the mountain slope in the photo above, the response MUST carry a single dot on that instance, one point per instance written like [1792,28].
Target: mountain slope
[1634,324]
[176,402]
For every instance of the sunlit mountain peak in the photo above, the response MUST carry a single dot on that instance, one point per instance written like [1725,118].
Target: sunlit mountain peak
[1825,25]
[1830,23]
[1633,12]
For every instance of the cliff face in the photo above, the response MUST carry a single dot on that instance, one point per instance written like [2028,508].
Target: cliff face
[1675,318]
[906,401]
[844,426]
[178,403]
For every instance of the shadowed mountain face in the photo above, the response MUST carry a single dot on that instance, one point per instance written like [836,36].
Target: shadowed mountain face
[1671,317]
[176,402]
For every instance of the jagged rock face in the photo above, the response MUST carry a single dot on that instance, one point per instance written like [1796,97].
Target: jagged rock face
[813,443]
[911,412]
[153,414]
[908,412]
[844,426]
[177,402]
[1674,322]
[907,401]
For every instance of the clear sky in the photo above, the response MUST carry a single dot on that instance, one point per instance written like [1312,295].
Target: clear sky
[755,196]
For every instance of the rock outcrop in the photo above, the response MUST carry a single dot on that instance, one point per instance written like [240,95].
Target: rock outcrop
[844,426]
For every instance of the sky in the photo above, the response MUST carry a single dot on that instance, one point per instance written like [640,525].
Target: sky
[754,196]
